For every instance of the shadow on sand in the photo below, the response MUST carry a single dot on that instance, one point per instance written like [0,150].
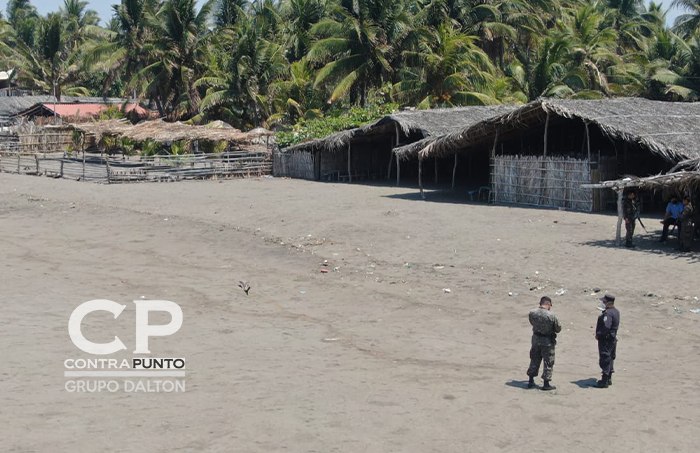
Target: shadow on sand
[517,384]
[586,383]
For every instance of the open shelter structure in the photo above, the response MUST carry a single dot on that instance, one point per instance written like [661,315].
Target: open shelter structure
[367,152]
[544,152]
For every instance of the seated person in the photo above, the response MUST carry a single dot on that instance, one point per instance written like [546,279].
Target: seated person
[673,212]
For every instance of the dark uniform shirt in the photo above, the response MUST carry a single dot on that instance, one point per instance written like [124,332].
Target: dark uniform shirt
[608,323]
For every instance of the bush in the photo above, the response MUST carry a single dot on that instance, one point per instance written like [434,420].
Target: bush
[318,128]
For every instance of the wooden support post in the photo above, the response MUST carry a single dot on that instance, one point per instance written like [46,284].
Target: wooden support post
[618,233]
[420,177]
[36,159]
[349,164]
[546,134]
[454,173]
[588,142]
[63,157]
[436,171]
[391,162]
[492,169]
[83,177]
[398,171]
[19,156]
[109,171]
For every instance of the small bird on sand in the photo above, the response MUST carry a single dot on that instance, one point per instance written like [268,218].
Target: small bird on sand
[244,286]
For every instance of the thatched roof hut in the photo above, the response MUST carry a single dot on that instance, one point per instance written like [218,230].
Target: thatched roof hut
[423,123]
[161,131]
[668,129]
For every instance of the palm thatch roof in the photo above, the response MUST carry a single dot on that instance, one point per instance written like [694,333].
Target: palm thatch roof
[670,129]
[428,123]
[161,131]
[679,180]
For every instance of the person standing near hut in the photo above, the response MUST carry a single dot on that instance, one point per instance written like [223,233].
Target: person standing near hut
[606,334]
[673,213]
[545,327]
[629,214]
[686,225]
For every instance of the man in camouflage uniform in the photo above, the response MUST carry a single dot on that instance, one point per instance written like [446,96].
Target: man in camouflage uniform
[685,235]
[545,327]
[629,213]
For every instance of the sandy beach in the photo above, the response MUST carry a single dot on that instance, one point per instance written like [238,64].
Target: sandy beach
[373,356]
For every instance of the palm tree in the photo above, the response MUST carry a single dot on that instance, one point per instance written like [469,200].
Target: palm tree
[51,66]
[227,12]
[300,16]
[688,23]
[447,70]
[593,45]
[176,56]
[242,66]
[23,17]
[123,55]
[80,23]
[357,46]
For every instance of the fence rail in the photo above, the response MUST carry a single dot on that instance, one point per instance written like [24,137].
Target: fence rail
[98,168]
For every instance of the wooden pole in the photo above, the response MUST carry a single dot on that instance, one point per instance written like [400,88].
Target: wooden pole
[18,162]
[454,173]
[618,234]
[492,169]
[36,159]
[398,171]
[109,177]
[588,143]
[83,178]
[63,157]
[420,177]
[546,134]
[391,162]
[349,163]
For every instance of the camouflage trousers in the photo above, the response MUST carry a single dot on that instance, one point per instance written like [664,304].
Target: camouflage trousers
[630,232]
[542,350]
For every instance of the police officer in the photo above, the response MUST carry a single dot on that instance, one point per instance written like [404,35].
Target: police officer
[606,334]
[545,327]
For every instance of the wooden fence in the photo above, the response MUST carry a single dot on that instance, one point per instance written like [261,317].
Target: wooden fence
[542,181]
[95,167]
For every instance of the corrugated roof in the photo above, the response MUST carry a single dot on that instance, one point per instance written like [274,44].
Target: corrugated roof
[12,105]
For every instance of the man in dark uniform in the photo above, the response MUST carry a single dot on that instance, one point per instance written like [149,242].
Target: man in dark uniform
[629,214]
[545,327]
[606,334]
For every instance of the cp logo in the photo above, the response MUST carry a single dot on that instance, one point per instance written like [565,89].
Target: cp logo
[143,329]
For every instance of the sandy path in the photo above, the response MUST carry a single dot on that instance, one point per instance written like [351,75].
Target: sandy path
[374,357]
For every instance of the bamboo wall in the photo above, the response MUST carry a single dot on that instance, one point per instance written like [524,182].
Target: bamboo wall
[294,165]
[542,181]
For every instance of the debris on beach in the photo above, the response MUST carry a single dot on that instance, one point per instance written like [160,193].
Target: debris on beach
[560,292]
[446,290]
[244,286]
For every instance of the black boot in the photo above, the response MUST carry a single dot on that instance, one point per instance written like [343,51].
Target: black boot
[547,386]
[610,380]
[603,383]
[531,383]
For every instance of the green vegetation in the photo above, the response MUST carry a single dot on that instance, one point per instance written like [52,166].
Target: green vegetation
[319,66]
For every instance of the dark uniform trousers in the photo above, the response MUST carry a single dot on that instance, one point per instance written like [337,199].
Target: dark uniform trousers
[607,349]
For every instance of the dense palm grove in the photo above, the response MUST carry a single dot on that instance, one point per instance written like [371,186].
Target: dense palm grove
[257,63]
